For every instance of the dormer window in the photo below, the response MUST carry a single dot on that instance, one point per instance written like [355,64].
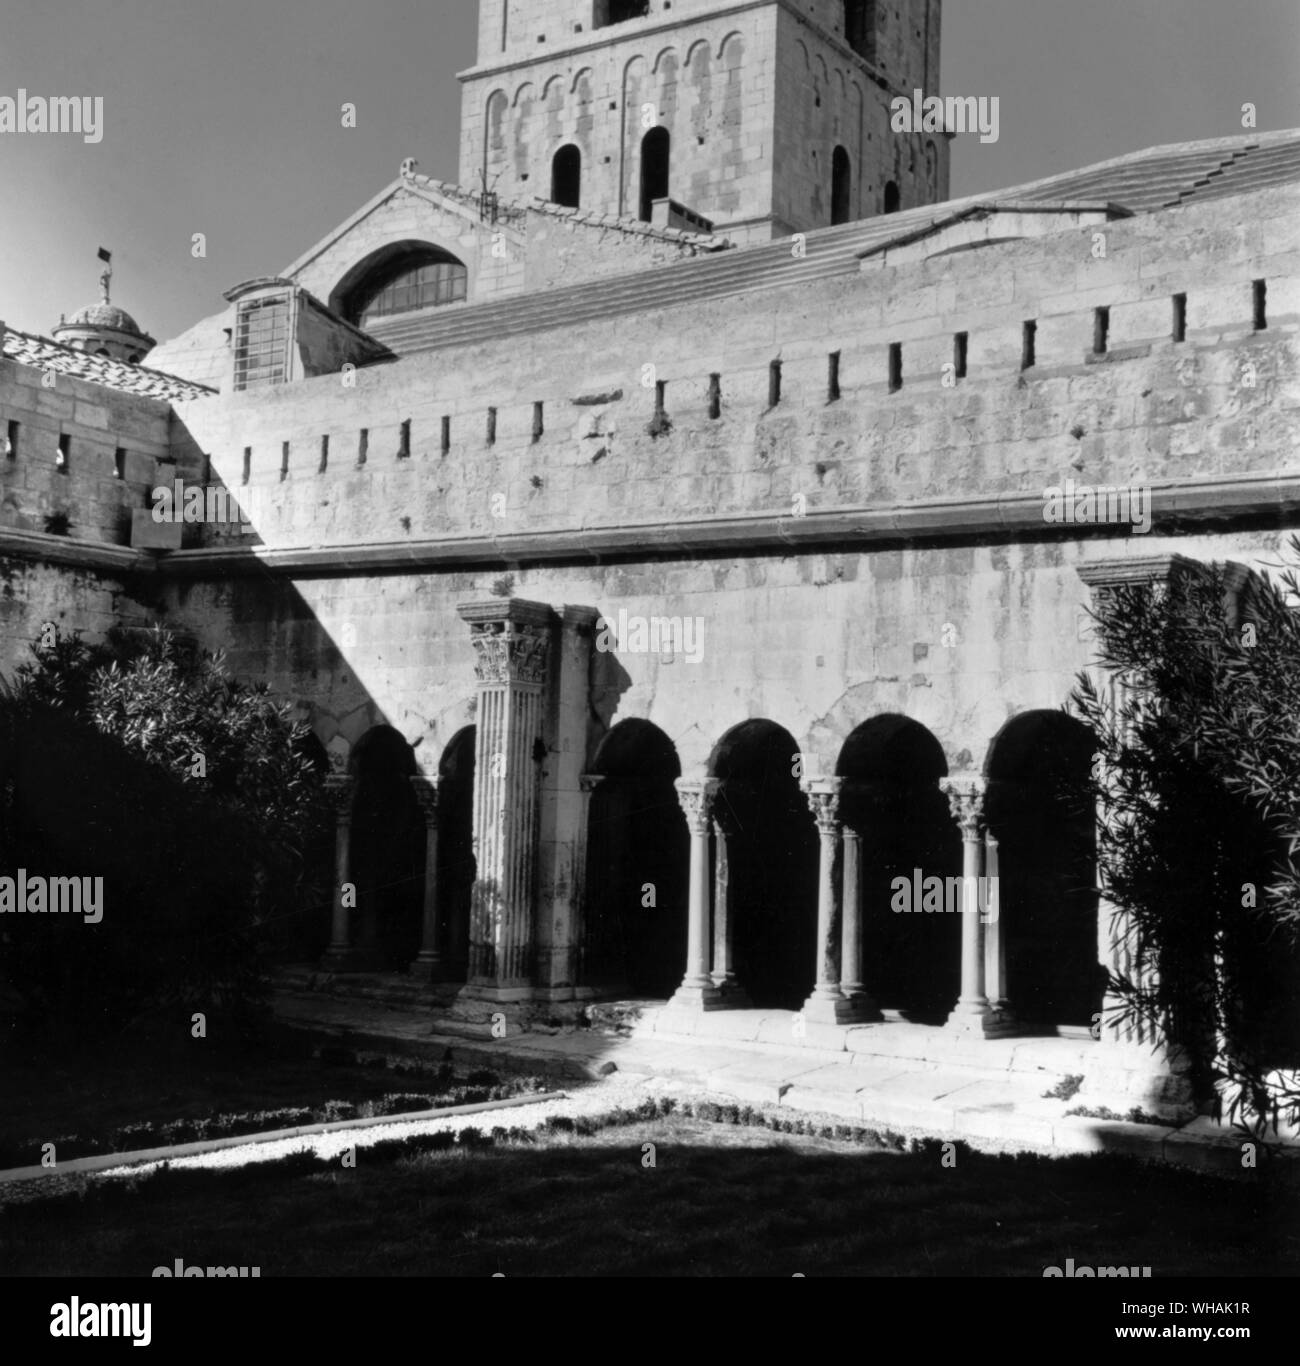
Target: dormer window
[262,342]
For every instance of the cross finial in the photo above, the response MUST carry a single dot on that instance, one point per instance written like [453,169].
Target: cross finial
[106,275]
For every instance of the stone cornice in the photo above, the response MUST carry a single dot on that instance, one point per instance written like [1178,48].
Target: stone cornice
[1221,501]
[99,556]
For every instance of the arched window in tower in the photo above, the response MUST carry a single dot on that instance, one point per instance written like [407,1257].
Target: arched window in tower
[860,27]
[655,148]
[608,12]
[566,177]
[891,197]
[841,187]
[406,283]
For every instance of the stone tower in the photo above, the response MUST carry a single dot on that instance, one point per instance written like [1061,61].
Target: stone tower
[762,118]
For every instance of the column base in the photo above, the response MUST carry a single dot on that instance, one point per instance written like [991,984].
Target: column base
[698,998]
[342,960]
[488,991]
[838,1010]
[428,969]
[733,994]
[979,1022]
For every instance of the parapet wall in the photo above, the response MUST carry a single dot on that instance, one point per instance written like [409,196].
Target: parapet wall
[1221,404]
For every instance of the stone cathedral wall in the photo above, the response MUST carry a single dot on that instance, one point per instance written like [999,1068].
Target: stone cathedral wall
[714,512]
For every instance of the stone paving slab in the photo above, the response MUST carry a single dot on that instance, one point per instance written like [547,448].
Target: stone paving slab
[989,1093]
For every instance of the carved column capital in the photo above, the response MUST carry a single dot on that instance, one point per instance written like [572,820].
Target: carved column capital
[824,801]
[697,803]
[340,788]
[965,793]
[426,794]
[511,640]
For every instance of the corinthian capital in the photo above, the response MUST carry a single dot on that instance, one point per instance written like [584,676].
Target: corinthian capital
[340,788]
[965,793]
[824,801]
[697,803]
[426,794]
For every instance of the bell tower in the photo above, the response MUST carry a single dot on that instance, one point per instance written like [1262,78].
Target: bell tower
[758,120]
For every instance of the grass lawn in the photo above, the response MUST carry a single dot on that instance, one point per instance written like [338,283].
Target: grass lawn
[82,1104]
[720,1200]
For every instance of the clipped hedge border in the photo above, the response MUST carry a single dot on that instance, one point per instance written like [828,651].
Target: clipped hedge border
[120,1191]
[478,1088]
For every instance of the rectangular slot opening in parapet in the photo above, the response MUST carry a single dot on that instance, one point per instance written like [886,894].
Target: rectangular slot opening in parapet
[895,367]
[1260,292]
[833,377]
[1180,318]
[119,463]
[960,343]
[1029,346]
[64,451]
[1100,331]
[774,384]
[11,439]
[715,397]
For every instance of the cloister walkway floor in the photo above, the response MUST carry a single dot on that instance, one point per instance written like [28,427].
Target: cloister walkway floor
[912,1079]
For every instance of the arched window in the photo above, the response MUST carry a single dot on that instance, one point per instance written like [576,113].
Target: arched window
[655,147]
[406,283]
[566,177]
[891,197]
[133,358]
[841,187]
[618,11]
[102,352]
[860,27]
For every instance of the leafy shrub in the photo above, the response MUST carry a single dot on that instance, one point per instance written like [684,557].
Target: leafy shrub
[142,762]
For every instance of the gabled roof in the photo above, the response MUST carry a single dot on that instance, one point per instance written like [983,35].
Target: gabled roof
[509,213]
[44,354]
[1141,182]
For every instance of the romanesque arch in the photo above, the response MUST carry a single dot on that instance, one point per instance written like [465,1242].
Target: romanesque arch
[638,855]
[400,277]
[841,187]
[566,177]
[771,861]
[388,839]
[911,960]
[1037,809]
[456,865]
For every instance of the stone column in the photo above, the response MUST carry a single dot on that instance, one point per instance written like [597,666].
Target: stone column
[563,823]
[827,1004]
[724,922]
[587,783]
[851,983]
[995,943]
[697,991]
[339,957]
[512,642]
[972,1013]
[428,962]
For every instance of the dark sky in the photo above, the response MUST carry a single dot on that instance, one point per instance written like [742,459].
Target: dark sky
[222,117]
